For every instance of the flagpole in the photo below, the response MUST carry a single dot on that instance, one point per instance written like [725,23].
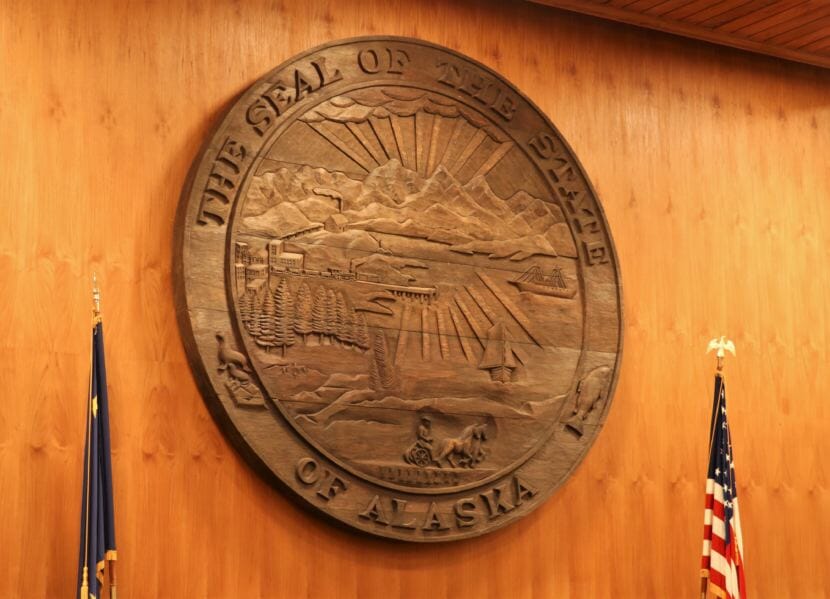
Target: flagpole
[96,310]
[721,346]
[96,315]
[112,580]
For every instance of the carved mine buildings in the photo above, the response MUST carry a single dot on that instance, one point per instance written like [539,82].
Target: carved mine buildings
[253,268]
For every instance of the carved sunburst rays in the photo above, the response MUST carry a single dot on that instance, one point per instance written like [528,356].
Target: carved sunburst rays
[416,128]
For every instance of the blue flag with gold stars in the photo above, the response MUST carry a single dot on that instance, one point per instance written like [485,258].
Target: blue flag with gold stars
[97,515]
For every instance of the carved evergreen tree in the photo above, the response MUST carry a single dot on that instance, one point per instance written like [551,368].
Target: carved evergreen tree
[283,316]
[256,314]
[267,323]
[303,291]
[351,330]
[318,313]
[374,375]
[361,332]
[351,326]
[342,319]
[246,306]
[303,312]
[331,314]
[381,355]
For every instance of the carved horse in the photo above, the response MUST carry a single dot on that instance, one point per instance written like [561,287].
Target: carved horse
[465,450]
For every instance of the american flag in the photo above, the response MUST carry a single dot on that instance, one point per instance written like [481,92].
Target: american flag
[723,553]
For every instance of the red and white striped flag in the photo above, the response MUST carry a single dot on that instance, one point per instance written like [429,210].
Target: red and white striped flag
[723,552]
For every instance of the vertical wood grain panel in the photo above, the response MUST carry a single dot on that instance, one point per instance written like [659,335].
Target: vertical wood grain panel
[711,165]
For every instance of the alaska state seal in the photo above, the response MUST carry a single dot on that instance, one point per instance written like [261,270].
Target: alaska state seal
[398,291]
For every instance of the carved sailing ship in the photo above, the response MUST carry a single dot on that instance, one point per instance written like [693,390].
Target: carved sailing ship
[534,281]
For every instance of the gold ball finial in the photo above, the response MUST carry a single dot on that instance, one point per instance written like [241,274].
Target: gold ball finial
[96,298]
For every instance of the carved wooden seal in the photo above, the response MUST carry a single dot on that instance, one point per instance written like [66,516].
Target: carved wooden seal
[398,291]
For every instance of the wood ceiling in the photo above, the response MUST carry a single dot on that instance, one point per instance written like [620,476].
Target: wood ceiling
[793,29]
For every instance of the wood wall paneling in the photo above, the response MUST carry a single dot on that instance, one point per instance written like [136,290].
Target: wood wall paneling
[712,167]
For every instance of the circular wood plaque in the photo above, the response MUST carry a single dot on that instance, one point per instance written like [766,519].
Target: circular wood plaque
[398,291]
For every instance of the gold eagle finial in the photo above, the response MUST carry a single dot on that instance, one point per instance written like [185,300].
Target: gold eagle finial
[721,346]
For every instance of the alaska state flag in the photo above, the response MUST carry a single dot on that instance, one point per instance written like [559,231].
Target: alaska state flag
[97,516]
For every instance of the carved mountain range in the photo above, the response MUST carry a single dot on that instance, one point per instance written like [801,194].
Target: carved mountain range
[280,220]
[392,199]
[296,185]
